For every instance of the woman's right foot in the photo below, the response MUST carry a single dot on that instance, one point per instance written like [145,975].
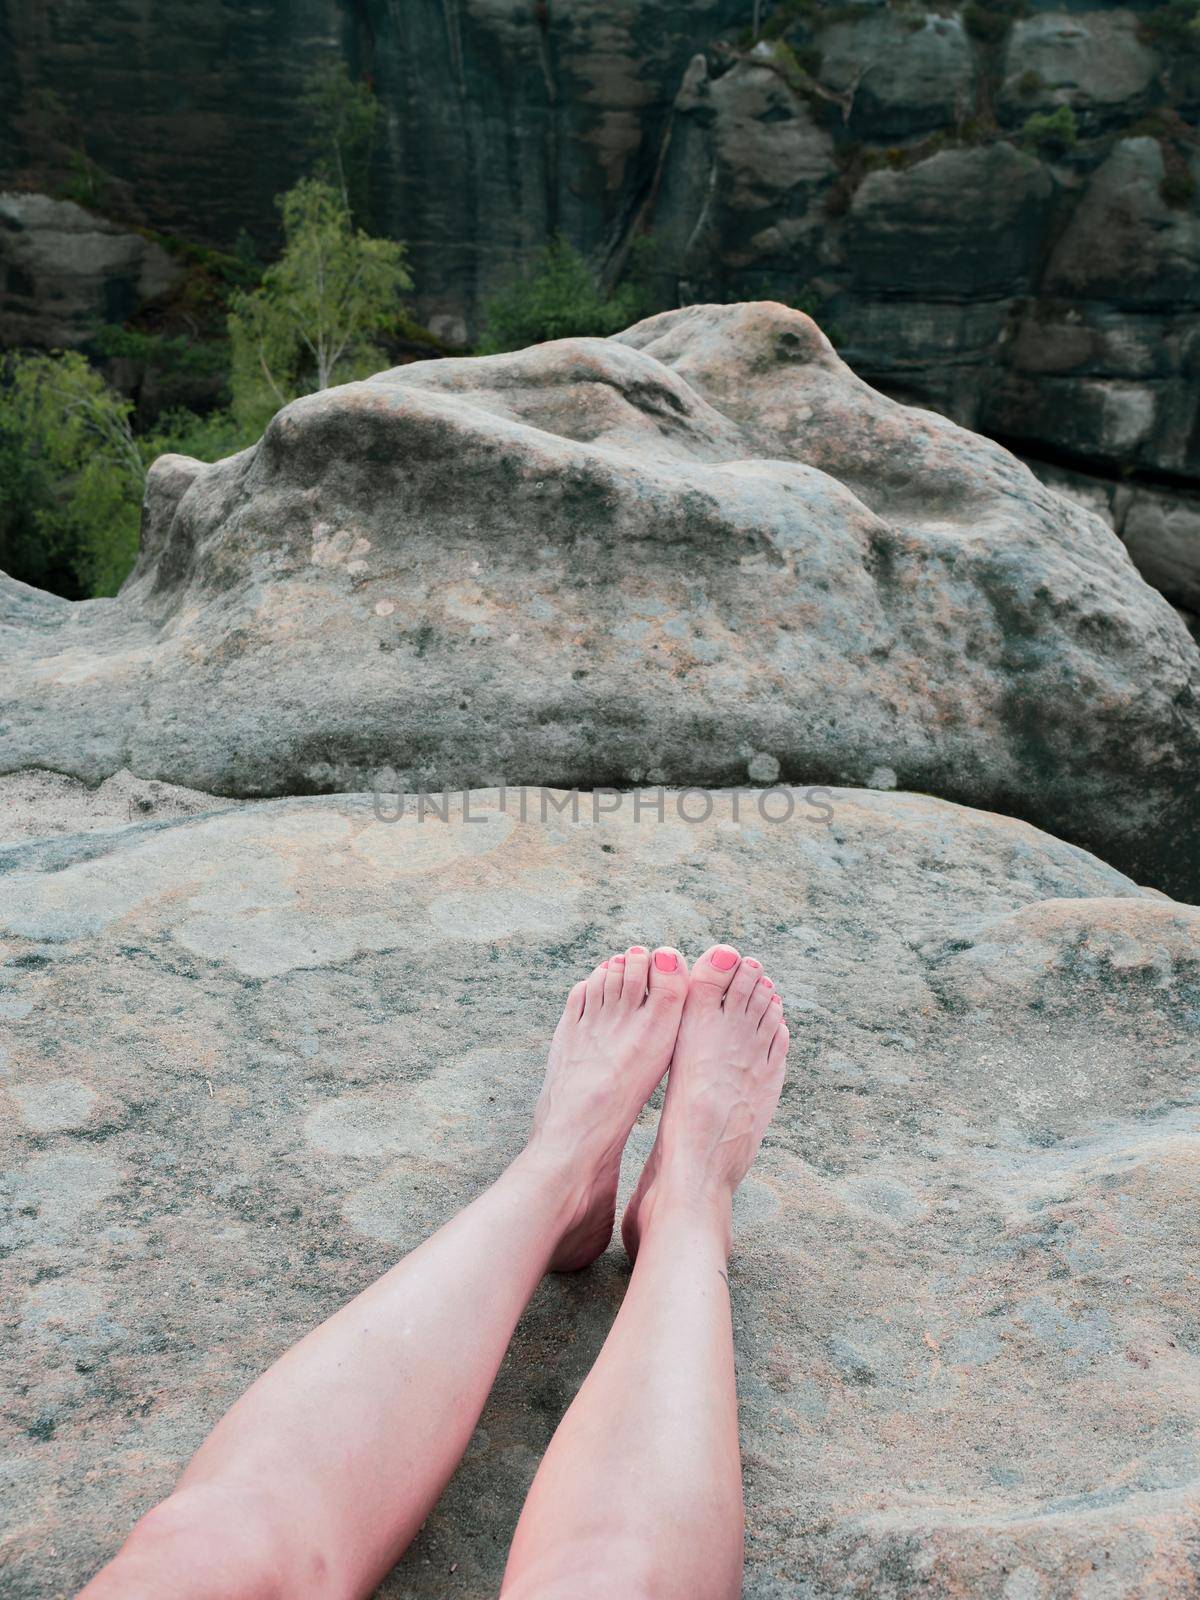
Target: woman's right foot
[609,1051]
[722,1088]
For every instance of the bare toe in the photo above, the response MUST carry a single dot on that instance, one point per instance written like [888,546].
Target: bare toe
[713,973]
[760,1000]
[743,983]
[668,980]
[614,979]
[637,970]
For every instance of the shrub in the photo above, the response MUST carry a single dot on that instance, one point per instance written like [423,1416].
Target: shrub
[1174,26]
[1051,130]
[561,299]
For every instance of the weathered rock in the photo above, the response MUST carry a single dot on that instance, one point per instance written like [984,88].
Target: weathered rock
[909,73]
[248,1059]
[1094,61]
[967,220]
[38,804]
[604,561]
[1161,530]
[65,271]
[1162,534]
[951,277]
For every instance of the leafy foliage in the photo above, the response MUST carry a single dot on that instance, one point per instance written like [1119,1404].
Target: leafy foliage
[562,299]
[1051,130]
[73,473]
[1175,26]
[72,510]
[310,322]
[345,118]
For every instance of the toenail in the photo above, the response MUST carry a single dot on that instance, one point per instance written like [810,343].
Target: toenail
[750,962]
[616,958]
[665,961]
[775,1000]
[723,958]
[766,983]
[637,949]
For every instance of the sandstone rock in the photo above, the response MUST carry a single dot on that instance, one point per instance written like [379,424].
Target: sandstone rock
[37,804]
[649,117]
[248,1059]
[1125,242]
[967,220]
[746,166]
[1091,61]
[64,271]
[1162,534]
[605,561]
[911,74]
[1159,528]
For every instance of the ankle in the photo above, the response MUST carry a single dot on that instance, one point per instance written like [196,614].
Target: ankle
[552,1179]
[685,1200]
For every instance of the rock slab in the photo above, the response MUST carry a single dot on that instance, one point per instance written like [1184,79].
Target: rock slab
[695,551]
[248,1058]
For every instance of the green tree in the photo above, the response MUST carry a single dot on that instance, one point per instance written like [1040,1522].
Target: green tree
[310,323]
[73,474]
[344,119]
[1051,130]
[70,514]
[561,299]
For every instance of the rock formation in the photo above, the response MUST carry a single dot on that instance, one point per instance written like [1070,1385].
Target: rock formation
[247,1058]
[698,552]
[65,271]
[888,166]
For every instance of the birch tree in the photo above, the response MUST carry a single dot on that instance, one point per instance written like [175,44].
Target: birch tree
[312,320]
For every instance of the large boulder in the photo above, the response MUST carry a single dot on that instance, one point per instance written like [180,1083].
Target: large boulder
[1162,534]
[1094,62]
[906,73]
[249,1058]
[65,271]
[699,550]
[968,220]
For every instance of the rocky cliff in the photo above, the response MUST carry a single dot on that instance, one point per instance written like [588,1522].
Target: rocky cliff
[902,171]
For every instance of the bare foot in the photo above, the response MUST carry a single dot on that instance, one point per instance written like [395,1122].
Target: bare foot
[608,1053]
[723,1089]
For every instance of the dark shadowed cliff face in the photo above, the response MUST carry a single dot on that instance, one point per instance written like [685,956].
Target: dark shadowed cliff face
[876,162]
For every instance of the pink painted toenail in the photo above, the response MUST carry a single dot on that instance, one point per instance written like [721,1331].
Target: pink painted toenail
[665,961]
[615,959]
[637,949]
[750,962]
[766,983]
[723,958]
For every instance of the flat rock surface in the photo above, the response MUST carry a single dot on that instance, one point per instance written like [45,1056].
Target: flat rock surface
[697,551]
[247,1058]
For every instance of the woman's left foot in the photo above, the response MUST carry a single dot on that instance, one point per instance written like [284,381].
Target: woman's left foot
[609,1051]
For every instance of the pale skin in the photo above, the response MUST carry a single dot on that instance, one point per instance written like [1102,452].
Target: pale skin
[316,1481]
